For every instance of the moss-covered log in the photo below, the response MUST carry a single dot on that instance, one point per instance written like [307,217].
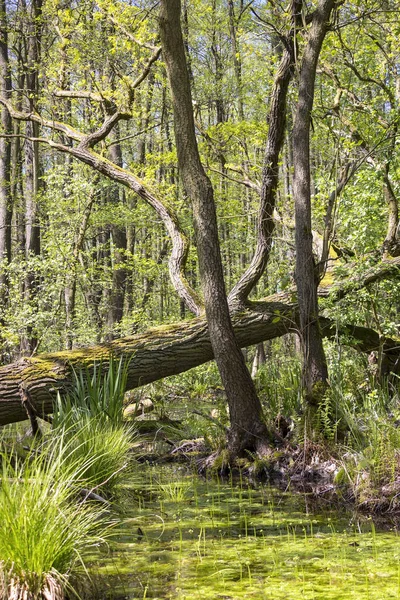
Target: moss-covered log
[158,353]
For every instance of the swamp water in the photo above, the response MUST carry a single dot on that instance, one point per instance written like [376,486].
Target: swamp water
[188,538]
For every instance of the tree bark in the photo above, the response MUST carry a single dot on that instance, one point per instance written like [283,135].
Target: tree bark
[237,61]
[31,146]
[17,158]
[347,172]
[173,349]
[260,358]
[315,372]
[247,429]
[391,245]
[71,277]
[219,67]
[29,340]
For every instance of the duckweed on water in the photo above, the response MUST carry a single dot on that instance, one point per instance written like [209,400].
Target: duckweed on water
[232,541]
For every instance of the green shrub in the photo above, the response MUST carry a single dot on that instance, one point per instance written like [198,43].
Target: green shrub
[90,419]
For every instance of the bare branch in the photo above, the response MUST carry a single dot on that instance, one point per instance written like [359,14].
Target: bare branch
[156,54]
[93,138]
[97,136]
[366,79]
[78,94]
[246,182]
[70,132]
[133,135]
[130,35]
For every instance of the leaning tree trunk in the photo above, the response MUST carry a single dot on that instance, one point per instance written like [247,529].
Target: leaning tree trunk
[247,429]
[158,353]
[170,350]
[315,371]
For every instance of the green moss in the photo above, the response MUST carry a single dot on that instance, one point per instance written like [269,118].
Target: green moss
[222,460]
[42,367]
[327,280]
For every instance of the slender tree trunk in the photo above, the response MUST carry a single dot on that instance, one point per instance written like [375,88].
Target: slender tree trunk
[145,119]
[94,293]
[32,130]
[185,31]
[237,62]
[5,162]
[32,227]
[64,112]
[247,431]
[17,161]
[276,133]
[259,359]
[315,372]
[391,245]
[118,246]
[345,175]
[70,285]
[150,281]
[219,69]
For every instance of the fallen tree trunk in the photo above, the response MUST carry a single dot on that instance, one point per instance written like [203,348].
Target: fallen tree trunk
[158,353]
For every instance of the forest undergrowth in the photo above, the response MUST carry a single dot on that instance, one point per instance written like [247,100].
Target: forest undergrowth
[59,490]
[350,452]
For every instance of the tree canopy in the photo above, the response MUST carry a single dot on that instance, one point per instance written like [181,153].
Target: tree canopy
[294,107]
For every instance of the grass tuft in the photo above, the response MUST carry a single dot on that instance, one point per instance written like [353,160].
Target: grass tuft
[43,529]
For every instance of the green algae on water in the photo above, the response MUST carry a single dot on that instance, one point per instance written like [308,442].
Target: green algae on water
[220,540]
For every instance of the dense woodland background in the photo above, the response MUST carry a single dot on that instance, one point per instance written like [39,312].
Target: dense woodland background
[87,121]
[183,181]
